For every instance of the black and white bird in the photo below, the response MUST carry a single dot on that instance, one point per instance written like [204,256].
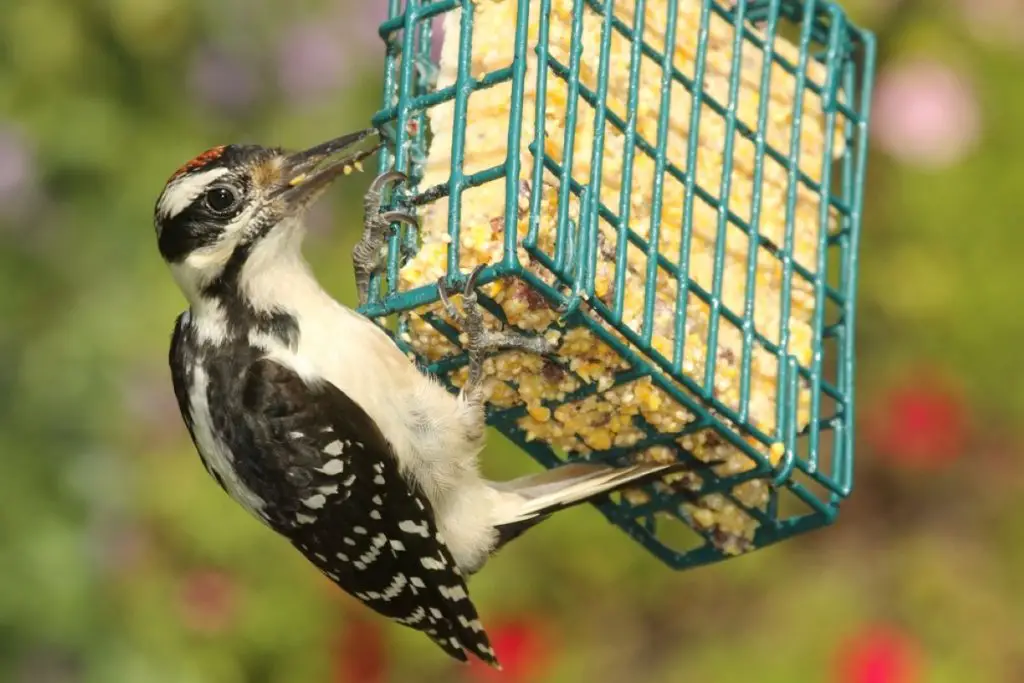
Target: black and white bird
[310,417]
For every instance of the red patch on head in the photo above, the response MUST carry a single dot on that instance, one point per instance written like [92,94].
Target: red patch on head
[204,159]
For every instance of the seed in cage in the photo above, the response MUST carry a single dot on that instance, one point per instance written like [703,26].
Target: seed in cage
[709,245]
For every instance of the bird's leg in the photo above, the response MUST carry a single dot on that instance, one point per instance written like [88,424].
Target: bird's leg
[368,254]
[481,341]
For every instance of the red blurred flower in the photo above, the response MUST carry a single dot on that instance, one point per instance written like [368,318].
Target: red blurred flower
[878,653]
[921,423]
[360,653]
[522,649]
[208,600]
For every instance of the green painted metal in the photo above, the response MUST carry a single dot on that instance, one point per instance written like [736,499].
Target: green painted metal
[815,474]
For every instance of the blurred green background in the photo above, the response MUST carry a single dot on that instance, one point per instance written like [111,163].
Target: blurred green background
[121,561]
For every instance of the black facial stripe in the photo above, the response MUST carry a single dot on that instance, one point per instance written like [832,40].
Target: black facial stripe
[225,285]
[240,316]
[184,234]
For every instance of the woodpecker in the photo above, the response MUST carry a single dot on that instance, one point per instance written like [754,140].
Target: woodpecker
[311,418]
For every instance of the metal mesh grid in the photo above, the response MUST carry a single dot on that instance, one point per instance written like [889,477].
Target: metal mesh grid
[815,472]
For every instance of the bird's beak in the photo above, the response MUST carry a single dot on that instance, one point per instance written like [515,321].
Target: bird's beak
[307,173]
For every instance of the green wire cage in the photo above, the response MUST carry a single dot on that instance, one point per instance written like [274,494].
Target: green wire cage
[812,474]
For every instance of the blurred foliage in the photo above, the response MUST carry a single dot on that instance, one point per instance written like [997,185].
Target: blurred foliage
[121,562]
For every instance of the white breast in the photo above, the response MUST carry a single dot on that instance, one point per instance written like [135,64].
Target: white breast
[214,452]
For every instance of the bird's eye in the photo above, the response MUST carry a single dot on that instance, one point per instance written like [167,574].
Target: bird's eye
[221,199]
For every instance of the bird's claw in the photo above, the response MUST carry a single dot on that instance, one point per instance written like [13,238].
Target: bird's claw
[480,342]
[368,253]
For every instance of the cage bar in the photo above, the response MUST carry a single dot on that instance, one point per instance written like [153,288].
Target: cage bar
[801,460]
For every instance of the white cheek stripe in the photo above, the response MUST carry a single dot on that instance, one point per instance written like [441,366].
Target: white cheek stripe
[183,191]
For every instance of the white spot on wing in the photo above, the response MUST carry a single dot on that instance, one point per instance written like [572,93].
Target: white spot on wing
[411,527]
[416,617]
[432,564]
[304,519]
[454,593]
[334,448]
[377,543]
[315,502]
[332,467]
[473,625]
[329,490]
[397,546]
[396,586]
[379,480]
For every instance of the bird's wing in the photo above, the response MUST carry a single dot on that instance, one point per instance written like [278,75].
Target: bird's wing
[182,359]
[335,484]
[182,345]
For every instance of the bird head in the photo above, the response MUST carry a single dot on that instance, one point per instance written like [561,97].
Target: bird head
[234,204]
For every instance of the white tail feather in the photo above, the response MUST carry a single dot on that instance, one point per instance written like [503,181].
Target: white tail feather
[527,497]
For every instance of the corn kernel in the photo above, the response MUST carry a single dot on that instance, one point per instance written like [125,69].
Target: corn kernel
[539,413]
[600,441]
[704,517]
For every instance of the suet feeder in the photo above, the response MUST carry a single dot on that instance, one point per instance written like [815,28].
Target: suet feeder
[672,190]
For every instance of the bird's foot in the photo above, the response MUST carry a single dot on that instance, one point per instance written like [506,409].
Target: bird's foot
[368,254]
[482,342]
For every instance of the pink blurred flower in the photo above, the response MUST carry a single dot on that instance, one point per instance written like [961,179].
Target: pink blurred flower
[360,652]
[208,601]
[364,23]
[222,80]
[878,653]
[922,423]
[521,645]
[925,114]
[18,174]
[314,59]
[362,19]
